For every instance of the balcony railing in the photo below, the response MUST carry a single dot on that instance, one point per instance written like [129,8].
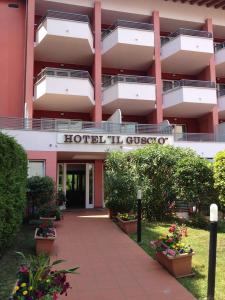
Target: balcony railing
[221,93]
[185,31]
[199,137]
[219,46]
[66,125]
[128,79]
[190,83]
[65,16]
[63,73]
[127,24]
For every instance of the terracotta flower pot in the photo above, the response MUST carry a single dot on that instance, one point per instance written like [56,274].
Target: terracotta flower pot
[128,226]
[178,266]
[112,214]
[44,244]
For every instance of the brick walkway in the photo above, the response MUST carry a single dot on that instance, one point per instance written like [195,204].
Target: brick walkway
[112,266]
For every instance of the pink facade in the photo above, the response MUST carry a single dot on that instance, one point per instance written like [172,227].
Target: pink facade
[21,62]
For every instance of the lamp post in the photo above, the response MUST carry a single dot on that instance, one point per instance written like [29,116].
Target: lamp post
[212,251]
[139,208]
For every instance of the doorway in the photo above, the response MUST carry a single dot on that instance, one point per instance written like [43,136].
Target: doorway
[77,182]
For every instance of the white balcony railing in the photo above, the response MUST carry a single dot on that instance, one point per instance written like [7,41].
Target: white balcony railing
[64,37]
[132,94]
[62,89]
[124,37]
[221,103]
[186,51]
[220,59]
[189,98]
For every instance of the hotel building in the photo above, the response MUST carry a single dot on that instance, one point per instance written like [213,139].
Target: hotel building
[83,77]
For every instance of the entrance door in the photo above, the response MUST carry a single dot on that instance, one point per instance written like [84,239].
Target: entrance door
[77,182]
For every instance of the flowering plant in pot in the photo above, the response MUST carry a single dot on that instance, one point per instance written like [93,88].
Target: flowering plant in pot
[37,279]
[45,236]
[127,222]
[173,253]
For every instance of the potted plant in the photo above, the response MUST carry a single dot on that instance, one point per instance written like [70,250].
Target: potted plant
[172,253]
[127,222]
[38,279]
[50,212]
[45,236]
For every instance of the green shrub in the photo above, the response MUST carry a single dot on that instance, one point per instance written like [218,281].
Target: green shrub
[40,191]
[120,182]
[13,177]
[193,181]
[219,177]
[165,174]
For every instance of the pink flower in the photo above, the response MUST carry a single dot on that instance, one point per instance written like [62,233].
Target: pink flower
[55,297]
[171,252]
[23,269]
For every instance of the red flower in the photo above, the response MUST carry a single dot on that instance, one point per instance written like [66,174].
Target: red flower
[55,297]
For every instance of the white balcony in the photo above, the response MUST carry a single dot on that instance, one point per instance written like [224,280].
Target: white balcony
[220,60]
[64,37]
[186,51]
[221,104]
[64,90]
[134,95]
[128,45]
[189,98]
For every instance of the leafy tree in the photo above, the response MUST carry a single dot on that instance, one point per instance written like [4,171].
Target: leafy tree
[219,177]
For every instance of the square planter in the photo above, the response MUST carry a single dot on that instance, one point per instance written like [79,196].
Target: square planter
[46,220]
[178,266]
[44,244]
[128,226]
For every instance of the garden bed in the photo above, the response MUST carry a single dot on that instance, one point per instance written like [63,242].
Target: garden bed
[199,239]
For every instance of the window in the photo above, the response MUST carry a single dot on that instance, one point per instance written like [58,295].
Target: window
[36,168]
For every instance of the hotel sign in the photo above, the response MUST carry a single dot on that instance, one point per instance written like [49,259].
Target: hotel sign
[93,139]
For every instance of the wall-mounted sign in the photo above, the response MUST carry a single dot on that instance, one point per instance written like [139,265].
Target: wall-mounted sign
[69,138]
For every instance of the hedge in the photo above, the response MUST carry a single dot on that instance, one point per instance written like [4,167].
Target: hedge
[219,177]
[165,174]
[13,178]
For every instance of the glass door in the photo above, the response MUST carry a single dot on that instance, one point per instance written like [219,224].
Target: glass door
[89,186]
[66,183]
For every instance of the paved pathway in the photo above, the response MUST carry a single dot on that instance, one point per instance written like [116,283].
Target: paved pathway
[112,266]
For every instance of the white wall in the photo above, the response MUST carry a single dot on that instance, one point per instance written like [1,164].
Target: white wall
[47,141]
[187,43]
[65,28]
[128,36]
[133,91]
[191,95]
[220,56]
[64,86]
[205,149]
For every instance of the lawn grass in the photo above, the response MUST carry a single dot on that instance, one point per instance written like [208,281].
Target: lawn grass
[199,240]
[9,263]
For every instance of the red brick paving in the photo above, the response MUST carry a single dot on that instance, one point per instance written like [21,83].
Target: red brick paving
[112,266]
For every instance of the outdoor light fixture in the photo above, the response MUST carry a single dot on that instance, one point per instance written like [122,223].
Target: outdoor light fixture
[194,209]
[213,213]
[139,194]
[212,251]
[139,211]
